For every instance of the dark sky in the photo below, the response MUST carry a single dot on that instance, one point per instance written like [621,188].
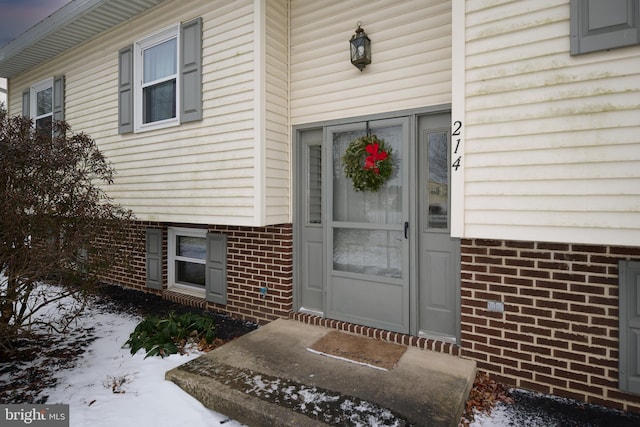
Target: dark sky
[17,16]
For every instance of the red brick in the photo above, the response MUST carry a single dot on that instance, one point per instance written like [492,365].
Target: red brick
[527,357]
[552,304]
[574,385]
[503,270]
[504,253]
[572,317]
[586,268]
[546,284]
[552,246]
[551,380]
[533,367]
[535,350]
[562,335]
[535,273]
[540,293]
[589,369]
[535,255]
[552,324]
[536,312]
[589,248]
[553,265]
[488,278]
[573,257]
[503,289]
[587,289]
[534,330]
[518,262]
[519,373]
[625,251]
[486,242]
[551,361]
[569,355]
[591,309]
[519,244]
[540,388]
[567,296]
[523,338]
[603,280]
[570,375]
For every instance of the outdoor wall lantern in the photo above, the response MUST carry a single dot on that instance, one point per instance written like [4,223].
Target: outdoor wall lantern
[360,48]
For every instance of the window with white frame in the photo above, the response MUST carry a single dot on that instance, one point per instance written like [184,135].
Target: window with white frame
[160,79]
[187,257]
[41,103]
[156,83]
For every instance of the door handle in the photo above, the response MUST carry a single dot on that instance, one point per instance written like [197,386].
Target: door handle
[406,229]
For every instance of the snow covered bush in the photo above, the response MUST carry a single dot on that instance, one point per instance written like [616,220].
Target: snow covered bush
[57,225]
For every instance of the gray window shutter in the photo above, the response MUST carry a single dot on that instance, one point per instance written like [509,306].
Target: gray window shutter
[26,95]
[58,98]
[599,25]
[191,71]
[216,268]
[125,90]
[629,318]
[154,258]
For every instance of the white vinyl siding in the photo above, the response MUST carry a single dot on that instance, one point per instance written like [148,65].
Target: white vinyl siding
[199,172]
[277,162]
[552,147]
[411,58]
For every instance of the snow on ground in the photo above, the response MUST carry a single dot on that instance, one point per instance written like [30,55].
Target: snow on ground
[110,387]
[107,386]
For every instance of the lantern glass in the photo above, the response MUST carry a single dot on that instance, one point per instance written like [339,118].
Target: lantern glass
[360,46]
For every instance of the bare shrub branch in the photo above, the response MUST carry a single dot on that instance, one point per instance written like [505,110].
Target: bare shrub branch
[58,224]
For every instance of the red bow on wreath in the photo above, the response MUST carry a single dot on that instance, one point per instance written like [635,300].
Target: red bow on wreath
[375,156]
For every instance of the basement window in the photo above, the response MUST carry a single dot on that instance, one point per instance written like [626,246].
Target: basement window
[187,258]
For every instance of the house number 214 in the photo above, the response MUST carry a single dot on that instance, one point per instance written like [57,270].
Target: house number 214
[457,132]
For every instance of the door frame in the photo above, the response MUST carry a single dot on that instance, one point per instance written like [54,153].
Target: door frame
[298,197]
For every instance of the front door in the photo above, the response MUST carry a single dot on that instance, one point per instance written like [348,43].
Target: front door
[383,259]
[367,250]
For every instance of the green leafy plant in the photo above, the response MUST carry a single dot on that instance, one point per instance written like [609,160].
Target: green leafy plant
[168,335]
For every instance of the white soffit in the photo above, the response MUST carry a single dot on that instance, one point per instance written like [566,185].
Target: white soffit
[69,26]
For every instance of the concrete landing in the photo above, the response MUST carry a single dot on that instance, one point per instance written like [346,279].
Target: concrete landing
[269,378]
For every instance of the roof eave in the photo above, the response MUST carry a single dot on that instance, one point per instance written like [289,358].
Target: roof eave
[50,37]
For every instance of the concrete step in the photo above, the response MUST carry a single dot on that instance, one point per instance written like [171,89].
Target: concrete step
[269,377]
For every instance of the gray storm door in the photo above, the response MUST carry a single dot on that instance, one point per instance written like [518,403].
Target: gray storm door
[438,253]
[367,249]
[309,193]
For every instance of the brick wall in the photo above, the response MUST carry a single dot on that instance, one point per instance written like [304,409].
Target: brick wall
[130,268]
[256,257]
[558,333]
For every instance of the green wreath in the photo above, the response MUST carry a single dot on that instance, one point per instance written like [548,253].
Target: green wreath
[368,163]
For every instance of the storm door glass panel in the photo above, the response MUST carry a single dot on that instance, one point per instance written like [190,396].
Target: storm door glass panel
[373,252]
[190,260]
[366,236]
[381,207]
[314,196]
[438,181]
